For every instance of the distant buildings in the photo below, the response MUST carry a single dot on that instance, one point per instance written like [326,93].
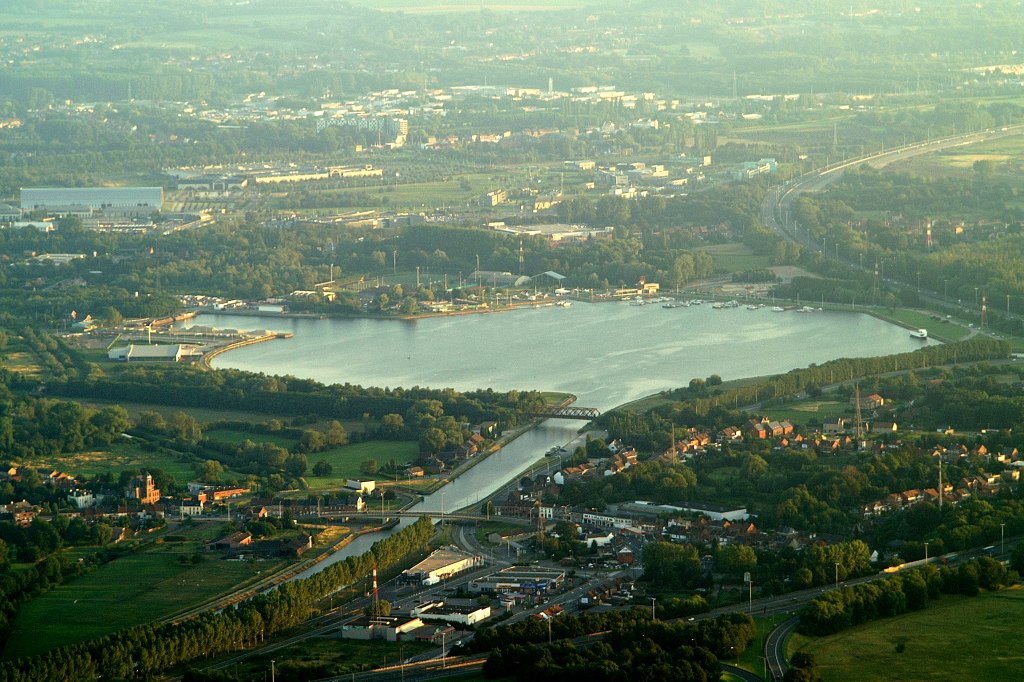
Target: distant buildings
[92,201]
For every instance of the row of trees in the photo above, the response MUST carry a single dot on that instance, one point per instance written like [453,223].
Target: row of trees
[635,649]
[838,610]
[233,389]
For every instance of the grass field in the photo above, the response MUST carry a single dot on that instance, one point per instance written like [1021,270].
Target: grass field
[236,437]
[117,458]
[943,329]
[735,258]
[134,589]
[958,638]
[812,408]
[345,460]
[203,415]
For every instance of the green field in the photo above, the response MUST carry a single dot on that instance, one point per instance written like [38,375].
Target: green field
[346,460]
[958,638]
[236,437]
[118,457]
[811,408]
[944,329]
[735,258]
[138,588]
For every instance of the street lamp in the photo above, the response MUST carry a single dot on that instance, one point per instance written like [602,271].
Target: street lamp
[837,575]
[654,617]
[926,552]
[272,670]
[944,283]
[1002,547]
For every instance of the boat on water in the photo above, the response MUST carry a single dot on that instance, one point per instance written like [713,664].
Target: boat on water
[778,309]
[564,304]
[676,304]
[920,334]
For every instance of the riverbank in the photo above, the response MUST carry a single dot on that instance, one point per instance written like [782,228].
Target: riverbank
[210,355]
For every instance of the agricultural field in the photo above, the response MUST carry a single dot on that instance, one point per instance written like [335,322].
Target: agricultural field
[141,587]
[1003,152]
[918,645]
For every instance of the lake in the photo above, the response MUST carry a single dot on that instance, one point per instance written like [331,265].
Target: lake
[604,353]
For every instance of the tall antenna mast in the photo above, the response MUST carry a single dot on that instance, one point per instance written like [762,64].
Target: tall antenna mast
[856,399]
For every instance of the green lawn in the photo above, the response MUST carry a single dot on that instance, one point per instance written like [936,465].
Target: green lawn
[735,258]
[811,408]
[944,329]
[958,638]
[346,460]
[138,588]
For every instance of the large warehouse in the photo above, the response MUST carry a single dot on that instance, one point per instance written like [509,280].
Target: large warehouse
[86,201]
[441,564]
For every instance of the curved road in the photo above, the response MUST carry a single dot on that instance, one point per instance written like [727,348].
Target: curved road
[775,647]
[776,202]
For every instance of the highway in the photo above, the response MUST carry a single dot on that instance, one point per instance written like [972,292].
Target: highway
[775,206]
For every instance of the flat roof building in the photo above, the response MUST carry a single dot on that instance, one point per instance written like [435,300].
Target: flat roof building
[123,201]
[452,613]
[164,353]
[442,563]
[519,579]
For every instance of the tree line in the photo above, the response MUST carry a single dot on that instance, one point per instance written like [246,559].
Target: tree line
[912,590]
[635,649]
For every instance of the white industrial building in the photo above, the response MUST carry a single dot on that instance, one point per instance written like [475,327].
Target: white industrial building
[90,201]
[164,353]
[451,613]
[442,564]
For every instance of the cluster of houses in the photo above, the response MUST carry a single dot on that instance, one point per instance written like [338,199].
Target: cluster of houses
[436,463]
[983,484]
[145,499]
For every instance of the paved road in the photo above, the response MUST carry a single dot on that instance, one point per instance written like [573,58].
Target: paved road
[775,647]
